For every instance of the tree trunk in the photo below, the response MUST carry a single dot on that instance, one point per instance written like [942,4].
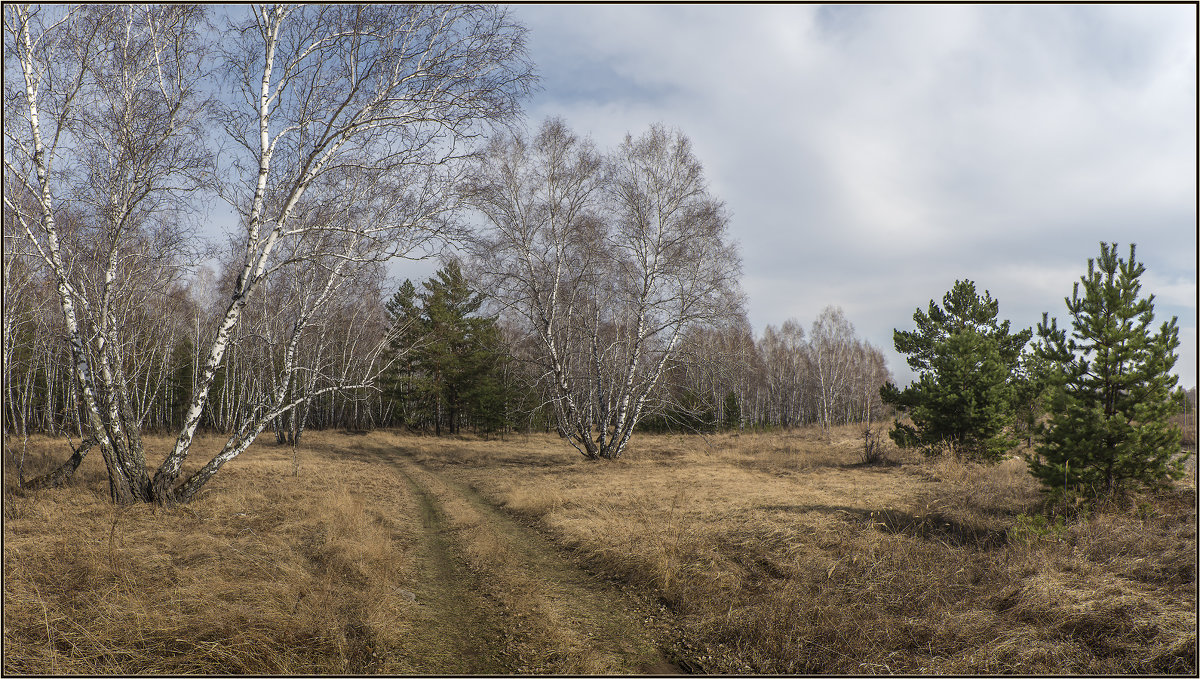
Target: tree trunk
[64,471]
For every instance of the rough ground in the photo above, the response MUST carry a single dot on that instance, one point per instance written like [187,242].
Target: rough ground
[387,553]
[360,562]
[499,598]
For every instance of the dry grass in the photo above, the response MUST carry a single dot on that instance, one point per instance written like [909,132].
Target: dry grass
[545,611]
[265,573]
[777,553]
[784,554]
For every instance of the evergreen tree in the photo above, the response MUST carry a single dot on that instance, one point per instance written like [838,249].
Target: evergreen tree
[407,387]
[1111,394]
[448,358]
[733,412]
[488,394]
[965,389]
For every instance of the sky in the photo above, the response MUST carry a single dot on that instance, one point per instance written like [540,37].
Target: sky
[870,156]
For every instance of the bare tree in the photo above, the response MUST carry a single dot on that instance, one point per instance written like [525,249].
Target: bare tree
[27,342]
[831,350]
[102,131]
[870,372]
[348,125]
[709,363]
[607,262]
[22,304]
[785,357]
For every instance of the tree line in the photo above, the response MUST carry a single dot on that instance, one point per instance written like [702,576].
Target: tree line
[452,365]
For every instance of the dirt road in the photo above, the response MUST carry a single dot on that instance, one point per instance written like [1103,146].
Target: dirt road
[497,597]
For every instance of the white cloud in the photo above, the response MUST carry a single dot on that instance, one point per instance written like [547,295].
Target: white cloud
[871,155]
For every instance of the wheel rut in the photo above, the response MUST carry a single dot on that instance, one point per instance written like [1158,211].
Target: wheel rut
[465,630]
[501,598]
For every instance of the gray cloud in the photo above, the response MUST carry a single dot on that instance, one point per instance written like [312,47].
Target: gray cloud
[871,155]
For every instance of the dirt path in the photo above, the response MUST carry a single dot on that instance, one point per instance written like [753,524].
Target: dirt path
[497,597]
[461,630]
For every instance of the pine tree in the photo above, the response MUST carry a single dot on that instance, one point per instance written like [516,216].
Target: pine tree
[965,362]
[732,420]
[407,386]
[448,357]
[1111,394]
[488,394]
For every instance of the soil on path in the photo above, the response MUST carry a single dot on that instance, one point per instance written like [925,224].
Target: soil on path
[497,597]
[458,630]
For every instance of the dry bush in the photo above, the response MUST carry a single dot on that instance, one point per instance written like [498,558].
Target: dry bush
[264,573]
[876,449]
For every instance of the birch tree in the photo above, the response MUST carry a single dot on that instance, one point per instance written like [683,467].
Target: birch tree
[102,132]
[870,373]
[785,358]
[345,125]
[21,306]
[709,363]
[356,118]
[607,261]
[831,350]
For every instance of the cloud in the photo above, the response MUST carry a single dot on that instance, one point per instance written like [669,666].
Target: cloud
[871,155]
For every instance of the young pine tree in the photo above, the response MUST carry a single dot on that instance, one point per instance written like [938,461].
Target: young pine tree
[965,364]
[1111,393]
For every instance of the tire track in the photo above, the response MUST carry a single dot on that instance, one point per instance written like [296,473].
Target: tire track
[529,609]
[465,631]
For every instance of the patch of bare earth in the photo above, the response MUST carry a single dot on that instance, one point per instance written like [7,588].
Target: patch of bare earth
[560,620]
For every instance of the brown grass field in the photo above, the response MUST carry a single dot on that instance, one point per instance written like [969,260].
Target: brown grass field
[761,553]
